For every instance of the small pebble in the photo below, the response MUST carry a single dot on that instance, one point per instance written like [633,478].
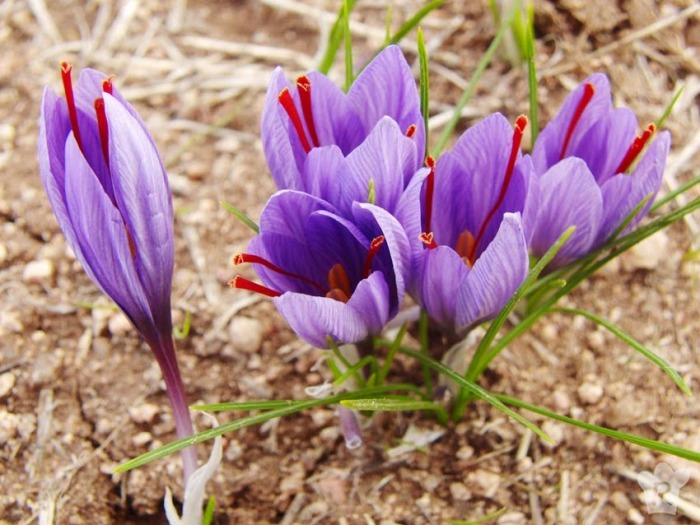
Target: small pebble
[620,501]
[634,516]
[562,401]
[460,492]
[38,271]
[484,483]
[119,324]
[590,393]
[465,452]
[246,335]
[4,254]
[7,382]
[334,489]
[144,413]
[555,431]
[648,254]
[141,439]
[512,518]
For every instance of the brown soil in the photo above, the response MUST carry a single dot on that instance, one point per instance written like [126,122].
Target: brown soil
[79,392]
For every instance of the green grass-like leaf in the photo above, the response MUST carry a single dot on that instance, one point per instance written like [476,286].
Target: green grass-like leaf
[347,39]
[533,85]
[473,389]
[646,352]
[208,516]
[416,19]
[651,444]
[182,333]
[391,405]
[238,214]
[675,193]
[334,39]
[424,84]
[290,407]
[478,72]
[485,519]
[669,108]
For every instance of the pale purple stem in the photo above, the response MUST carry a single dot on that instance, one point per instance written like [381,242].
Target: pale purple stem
[165,355]
[349,427]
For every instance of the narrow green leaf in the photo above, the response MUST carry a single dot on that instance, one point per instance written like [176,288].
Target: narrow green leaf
[393,348]
[334,39]
[182,333]
[247,405]
[208,516]
[482,356]
[474,389]
[669,108]
[651,444]
[294,407]
[349,71]
[425,349]
[646,352]
[424,85]
[478,72]
[387,26]
[414,21]
[630,217]
[238,214]
[532,74]
[485,519]
[675,193]
[391,405]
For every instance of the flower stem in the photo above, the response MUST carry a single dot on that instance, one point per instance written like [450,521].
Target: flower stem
[165,355]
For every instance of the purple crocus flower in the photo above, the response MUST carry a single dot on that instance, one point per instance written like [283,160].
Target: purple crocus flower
[328,276]
[478,207]
[109,191]
[584,159]
[308,130]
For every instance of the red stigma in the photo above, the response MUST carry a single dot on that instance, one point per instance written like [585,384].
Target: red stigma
[588,92]
[244,284]
[285,98]
[66,70]
[428,239]
[374,247]
[635,149]
[107,85]
[102,128]
[519,130]
[304,90]
[411,131]
[241,258]
[429,191]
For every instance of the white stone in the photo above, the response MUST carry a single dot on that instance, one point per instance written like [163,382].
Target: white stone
[7,382]
[119,324]
[555,431]
[590,393]
[485,483]
[141,439]
[144,413]
[38,271]
[460,492]
[512,518]
[246,334]
[465,452]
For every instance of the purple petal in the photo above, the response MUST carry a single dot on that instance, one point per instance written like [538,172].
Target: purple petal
[104,247]
[386,157]
[372,303]
[313,318]
[143,197]
[606,142]
[440,273]
[286,211]
[326,175]
[569,196]
[548,148]
[283,151]
[622,193]
[386,87]
[496,275]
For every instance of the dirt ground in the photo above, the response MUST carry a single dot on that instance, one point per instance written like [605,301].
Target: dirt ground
[79,393]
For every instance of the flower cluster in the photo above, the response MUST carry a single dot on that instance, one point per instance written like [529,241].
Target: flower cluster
[363,215]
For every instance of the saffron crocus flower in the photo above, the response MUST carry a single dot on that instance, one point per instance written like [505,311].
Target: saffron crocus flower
[586,162]
[328,276]
[478,207]
[109,191]
[315,115]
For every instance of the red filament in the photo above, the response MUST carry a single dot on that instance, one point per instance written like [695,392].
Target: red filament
[374,247]
[411,131]
[103,128]
[107,85]
[339,284]
[635,149]
[304,90]
[285,98]
[244,284]
[519,130]
[66,70]
[241,258]
[429,191]
[588,92]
